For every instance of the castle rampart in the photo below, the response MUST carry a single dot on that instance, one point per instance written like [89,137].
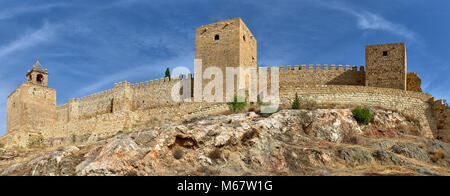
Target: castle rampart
[321,75]
[383,83]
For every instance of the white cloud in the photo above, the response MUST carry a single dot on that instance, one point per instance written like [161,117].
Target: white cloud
[142,70]
[30,39]
[367,20]
[10,13]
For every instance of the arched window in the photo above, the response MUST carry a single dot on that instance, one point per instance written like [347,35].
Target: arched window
[216,37]
[40,78]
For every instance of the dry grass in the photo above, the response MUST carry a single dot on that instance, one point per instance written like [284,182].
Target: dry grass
[437,155]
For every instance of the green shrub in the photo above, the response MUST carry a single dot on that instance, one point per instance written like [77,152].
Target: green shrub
[362,115]
[296,102]
[119,132]
[237,106]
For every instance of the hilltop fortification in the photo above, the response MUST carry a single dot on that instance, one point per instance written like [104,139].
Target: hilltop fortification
[383,83]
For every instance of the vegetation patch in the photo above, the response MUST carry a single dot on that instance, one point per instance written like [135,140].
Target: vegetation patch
[237,106]
[296,103]
[362,115]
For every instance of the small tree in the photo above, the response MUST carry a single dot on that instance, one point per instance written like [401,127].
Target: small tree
[362,115]
[235,105]
[167,73]
[296,102]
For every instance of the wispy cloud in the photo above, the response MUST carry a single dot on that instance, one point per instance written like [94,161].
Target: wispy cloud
[9,13]
[143,70]
[28,40]
[367,20]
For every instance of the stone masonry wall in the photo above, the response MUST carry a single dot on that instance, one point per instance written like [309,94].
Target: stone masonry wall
[412,104]
[225,44]
[386,66]
[321,75]
[123,97]
[156,93]
[413,82]
[442,114]
[30,107]
[128,106]
[104,125]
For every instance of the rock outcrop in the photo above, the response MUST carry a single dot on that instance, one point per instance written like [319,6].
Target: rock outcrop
[289,142]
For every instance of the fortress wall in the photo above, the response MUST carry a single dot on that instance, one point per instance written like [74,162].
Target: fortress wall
[62,113]
[111,122]
[442,114]
[412,104]
[86,107]
[413,82]
[95,104]
[155,93]
[321,75]
[104,125]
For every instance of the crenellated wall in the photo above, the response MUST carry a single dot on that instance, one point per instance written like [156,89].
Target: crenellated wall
[321,75]
[85,107]
[123,97]
[383,82]
[156,93]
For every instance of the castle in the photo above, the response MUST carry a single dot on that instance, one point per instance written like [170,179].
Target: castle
[384,82]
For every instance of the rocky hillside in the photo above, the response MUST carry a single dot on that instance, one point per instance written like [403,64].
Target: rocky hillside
[289,142]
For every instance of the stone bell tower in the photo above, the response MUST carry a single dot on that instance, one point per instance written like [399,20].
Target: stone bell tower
[32,105]
[38,75]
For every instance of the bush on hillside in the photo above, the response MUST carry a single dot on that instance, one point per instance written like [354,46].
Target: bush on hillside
[296,102]
[236,106]
[362,115]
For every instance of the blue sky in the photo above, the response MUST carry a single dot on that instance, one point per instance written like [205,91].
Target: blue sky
[88,45]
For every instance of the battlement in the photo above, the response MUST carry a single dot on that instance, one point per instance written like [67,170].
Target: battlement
[316,67]
[382,82]
[161,81]
[92,97]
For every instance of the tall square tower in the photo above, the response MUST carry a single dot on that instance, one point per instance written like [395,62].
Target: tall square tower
[224,44]
[386,66]
[32,105]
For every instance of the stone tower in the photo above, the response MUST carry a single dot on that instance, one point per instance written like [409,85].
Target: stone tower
[386,66]
[38,75]
[224,44]
[32,105]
